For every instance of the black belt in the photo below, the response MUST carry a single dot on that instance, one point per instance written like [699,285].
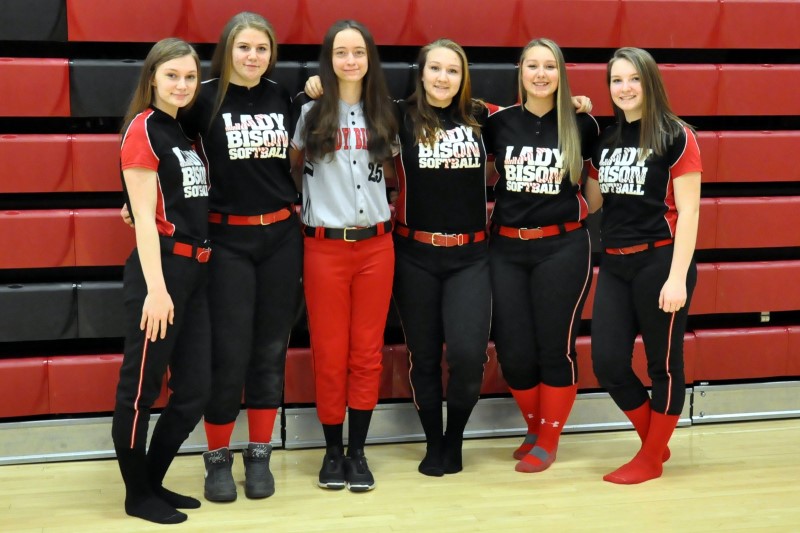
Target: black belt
[348,234]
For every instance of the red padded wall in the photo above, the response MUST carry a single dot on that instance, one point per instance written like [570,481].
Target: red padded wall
[37,239]
[758,286]
[793,368]
[95,162]
[34,87]
[742,89]
[206,18]
[758,24]
[35,163]
[707,228]
[708,141]
[23,387]
[745,353]
[571,23]
[101,238]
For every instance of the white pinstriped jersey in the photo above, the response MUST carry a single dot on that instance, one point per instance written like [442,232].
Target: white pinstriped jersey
[344,189]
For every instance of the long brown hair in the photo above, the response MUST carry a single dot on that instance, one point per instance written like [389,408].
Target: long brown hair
[425,120]
[569,139]
[322,120]
[221,61]
[659,125]
[163,51]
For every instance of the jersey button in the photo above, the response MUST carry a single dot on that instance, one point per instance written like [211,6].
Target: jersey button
[358,186]
[360,210]
[354,162]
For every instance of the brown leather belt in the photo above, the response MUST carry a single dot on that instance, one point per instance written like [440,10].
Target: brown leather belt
[440,239]
[538,233]
[636,248]
[250,220]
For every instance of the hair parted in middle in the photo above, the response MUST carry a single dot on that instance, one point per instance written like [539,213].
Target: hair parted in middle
[569,140]
[423,117]
[322,121]
[659,125]
[223,53]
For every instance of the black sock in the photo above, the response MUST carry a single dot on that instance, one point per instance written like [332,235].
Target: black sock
[457,418]
[154,509]
[333,437]
[358,427]
[178,501]
[431,420]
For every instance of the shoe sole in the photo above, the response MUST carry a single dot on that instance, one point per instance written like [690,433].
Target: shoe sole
[331,486]
[221,499]
[359,488]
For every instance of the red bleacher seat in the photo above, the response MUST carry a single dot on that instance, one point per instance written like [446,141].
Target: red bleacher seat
[87,383]
[95,162]
[758,222]
[707,229]
[692,89]
[140,21]
[736,97]
[571,23]
[35,163]
[759,24]
[101,238]
[37,239]
[34,87]
[704,298]
[23,387]
[709,148]
[758,156]
[464,22]
[793,368]
[206,18]
[746,353]
[590,80]
[667,24]
[758,286]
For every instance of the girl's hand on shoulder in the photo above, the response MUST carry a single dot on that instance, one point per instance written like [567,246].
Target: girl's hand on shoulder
[673,296]
[313,87]
[126,215]
[158,310]
[583,104]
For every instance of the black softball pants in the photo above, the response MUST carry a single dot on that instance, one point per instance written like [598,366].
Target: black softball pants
[254,292]
[443,295]
[539,288]
[625,304]
[186,350]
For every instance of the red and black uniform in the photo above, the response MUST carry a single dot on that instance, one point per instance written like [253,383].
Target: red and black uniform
[540,257]
[155,141]
[441,282]
[254,288]
[637,228]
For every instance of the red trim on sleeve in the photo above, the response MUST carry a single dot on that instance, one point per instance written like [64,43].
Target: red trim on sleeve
[689,160]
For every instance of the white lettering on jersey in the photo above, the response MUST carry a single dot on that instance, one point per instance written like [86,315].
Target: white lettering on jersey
[623,171]
[194,173]
[454,148]
[532,170]
[258,136]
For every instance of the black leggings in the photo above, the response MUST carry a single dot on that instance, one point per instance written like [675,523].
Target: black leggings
[443,295]
[539,288]
[254,292]
[626,303]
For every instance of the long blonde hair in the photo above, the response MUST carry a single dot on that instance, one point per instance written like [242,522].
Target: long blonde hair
[569,139]
[163,51]
[221,61]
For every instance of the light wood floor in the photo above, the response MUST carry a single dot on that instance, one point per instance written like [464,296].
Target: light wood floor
[723,477]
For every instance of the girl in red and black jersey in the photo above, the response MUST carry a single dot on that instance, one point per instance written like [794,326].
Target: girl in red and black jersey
[540,253]
[646,173]
[164,283]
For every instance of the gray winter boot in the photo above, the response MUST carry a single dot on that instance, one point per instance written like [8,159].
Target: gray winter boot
[219,485]
[259,482]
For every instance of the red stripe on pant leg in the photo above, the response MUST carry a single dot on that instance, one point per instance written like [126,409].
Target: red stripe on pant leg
[138,394]
[666,362]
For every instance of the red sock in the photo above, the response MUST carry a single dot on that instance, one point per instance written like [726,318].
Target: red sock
[647,464]
[218,435]
[556,404]
[261,423]
[640,418]
[528,403]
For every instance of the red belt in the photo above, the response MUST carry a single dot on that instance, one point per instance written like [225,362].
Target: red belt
[636,248]
[349,234]
[192,252]
[250,220]
[440,239]
[538,233]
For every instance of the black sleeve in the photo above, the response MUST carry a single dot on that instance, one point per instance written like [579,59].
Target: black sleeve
[589,132]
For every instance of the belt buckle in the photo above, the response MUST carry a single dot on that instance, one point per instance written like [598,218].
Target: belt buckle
[459,239]
[344,235]
[261,220]
[437,234]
